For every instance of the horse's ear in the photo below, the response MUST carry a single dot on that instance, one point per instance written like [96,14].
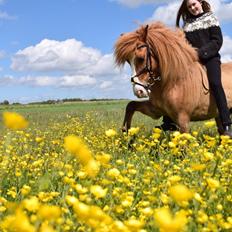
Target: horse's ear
[145,33]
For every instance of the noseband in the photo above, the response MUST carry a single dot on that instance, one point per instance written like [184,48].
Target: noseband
[147,69]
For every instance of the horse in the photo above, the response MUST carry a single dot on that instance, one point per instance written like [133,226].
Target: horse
[166,70]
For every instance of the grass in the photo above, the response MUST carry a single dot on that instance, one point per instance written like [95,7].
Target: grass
[108,111]
[147,180]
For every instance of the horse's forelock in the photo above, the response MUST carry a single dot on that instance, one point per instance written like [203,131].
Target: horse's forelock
[126,44]
[125,47]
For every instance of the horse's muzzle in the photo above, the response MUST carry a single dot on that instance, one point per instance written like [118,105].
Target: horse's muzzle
[140,91]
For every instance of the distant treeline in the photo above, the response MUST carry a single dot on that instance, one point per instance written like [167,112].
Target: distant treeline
[6,102]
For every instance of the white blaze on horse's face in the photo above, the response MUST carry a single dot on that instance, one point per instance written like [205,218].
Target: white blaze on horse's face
[139,91]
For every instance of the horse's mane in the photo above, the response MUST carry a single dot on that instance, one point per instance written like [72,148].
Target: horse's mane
[175,54]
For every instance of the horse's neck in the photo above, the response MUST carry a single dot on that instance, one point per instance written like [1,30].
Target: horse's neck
[197,75]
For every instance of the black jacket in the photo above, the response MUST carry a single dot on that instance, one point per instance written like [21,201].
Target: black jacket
[204,33]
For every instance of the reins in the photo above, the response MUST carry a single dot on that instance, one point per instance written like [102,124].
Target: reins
[207,90]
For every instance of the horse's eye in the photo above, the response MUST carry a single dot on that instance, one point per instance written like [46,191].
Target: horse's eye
[139,60]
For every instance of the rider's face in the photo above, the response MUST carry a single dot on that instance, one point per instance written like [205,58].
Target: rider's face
[194,7]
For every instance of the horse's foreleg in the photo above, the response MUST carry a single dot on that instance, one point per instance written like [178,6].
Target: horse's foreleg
[144,107]
[183,120]
[130,109]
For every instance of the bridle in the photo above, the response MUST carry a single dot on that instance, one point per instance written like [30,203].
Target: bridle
[147,69]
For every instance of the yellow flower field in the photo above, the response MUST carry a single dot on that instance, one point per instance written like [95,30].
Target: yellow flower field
[82,174]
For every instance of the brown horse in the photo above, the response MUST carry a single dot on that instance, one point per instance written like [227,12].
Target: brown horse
[167,70]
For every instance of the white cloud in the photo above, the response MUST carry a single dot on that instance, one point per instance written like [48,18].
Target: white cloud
[6,16]
[225,12]
[2,54]
[104,66]
[226,50]
[106,84]
[51,55]
[36,81]
[78,64]
[74,81]
[137,3]
[167,13]
[6,80]
[51,81]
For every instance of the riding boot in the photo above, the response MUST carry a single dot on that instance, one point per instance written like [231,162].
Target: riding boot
[168,124]
[228,131]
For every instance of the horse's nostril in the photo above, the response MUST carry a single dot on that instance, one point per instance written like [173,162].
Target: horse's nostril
[140,92]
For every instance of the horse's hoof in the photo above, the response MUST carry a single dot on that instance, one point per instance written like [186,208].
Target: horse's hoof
[124,129]
[168,127]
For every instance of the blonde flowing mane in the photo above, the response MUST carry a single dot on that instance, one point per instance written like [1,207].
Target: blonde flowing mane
[176,56]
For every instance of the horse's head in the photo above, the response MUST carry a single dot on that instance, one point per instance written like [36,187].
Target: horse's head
[145,67]
[153,51]
[133,48]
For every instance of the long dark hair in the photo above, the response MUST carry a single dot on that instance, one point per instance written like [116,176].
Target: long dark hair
[184,12]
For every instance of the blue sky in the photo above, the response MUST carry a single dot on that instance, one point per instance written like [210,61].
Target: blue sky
[54,49]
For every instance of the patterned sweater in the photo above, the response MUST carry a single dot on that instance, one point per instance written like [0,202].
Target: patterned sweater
[204,33]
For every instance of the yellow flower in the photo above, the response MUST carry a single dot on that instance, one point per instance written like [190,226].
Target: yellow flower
[12,192]
[198,167]
[25,190]
[96,213]
[171,144]
[219,207]
[134,224]
[32,204]
[202,217]
[198,197]
[49,212]
[82,210]
[156,135]
[113,173]
[147,211]
[2,209]
[18,222]
[180,193]
[76,146]
[110,133]
[119,162]
[119,226]
[81,174]
[39,139]
[208,156]
[174,179]
[98,191]
[133,131]
[164,198]
[169,223]
[72,144]
[103,159]
[46,228]
[212,183]
[14,121]
[71,200]
[210,124]
[127,203]
[92,168]
[157,130]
